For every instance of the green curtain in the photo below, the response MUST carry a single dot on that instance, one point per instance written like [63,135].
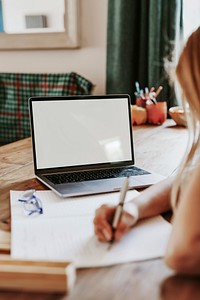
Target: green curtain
[141,35]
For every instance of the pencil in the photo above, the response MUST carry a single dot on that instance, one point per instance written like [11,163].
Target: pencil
[137,87]
[146,92]
[158,91]
[119,209]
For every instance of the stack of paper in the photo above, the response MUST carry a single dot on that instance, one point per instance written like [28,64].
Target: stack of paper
[65,232]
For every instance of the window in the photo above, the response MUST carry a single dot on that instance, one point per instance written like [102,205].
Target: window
[191,17]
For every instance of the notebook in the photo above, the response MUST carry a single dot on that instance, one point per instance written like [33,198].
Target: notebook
[84,145]
[65,232]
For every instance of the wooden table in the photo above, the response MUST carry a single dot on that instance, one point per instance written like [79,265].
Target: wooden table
[157,148]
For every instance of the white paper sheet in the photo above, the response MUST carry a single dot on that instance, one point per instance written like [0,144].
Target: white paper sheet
[65,232]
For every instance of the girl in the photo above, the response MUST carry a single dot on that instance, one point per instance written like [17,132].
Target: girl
[180,193]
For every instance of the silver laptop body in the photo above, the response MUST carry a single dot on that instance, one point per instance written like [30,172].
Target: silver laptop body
[84,145]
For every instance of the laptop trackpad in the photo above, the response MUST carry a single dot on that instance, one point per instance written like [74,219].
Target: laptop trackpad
[90,187]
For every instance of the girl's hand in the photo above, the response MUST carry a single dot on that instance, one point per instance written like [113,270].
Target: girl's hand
[104,217]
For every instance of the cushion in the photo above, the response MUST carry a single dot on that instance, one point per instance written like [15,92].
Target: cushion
[17,88]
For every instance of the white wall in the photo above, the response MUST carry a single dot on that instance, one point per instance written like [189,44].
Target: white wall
[89,61]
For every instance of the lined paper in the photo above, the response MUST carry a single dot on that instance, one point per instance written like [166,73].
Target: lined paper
[65,232]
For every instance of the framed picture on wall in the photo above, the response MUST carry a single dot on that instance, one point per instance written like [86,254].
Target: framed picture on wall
[40,24]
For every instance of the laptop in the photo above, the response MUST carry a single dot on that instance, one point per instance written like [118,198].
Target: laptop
[84,144]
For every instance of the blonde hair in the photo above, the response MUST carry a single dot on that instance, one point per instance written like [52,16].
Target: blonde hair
[188,73]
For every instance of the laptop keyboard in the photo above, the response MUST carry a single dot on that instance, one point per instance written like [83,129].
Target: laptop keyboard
[95,174]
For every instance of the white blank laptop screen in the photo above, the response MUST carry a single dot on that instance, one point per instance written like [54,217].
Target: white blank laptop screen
[81,132]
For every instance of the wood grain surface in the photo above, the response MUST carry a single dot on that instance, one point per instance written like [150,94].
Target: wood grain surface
[158,149]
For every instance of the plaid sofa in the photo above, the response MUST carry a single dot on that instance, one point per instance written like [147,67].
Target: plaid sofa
[16,88]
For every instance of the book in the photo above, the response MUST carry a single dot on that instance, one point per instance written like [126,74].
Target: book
[4,242]
[36,276]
